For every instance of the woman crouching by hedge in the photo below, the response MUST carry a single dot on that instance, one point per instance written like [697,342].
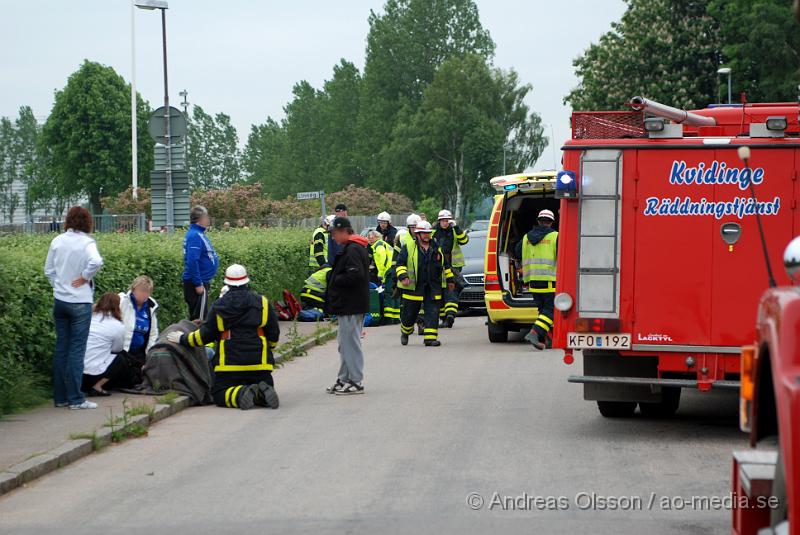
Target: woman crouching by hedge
[72,262]
[102,364]
[141,325]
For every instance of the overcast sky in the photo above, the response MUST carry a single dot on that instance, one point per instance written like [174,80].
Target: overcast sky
[242,57]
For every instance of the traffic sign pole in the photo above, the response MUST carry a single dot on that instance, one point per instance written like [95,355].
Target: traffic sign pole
[322,198]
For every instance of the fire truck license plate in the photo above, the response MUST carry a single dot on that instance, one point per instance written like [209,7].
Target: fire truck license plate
[598,341]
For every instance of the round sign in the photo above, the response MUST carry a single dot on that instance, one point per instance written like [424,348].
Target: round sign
[177,125]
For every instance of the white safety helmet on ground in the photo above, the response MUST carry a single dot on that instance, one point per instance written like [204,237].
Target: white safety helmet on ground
[384,216]
[445,214]
[412,220]
[546,214]
[423,226]
[236,275]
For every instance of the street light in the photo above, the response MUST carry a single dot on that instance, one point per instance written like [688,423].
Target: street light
[163,6]
[727,70]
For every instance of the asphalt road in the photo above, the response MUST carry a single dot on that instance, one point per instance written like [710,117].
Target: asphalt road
[435,426]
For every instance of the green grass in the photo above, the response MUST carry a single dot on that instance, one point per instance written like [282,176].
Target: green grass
[21,389]
[167,399]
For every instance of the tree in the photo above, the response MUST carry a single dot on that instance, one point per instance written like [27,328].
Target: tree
[212,158]
[8,168]
[667,50]
[31,170]
[761,45]
[405,47]
[264,157]
[88,135]
[454,142]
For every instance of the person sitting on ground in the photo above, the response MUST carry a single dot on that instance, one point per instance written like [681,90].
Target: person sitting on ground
[102,365]
[141,324]
[245,325]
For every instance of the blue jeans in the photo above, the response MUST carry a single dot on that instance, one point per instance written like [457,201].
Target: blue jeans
[72,330]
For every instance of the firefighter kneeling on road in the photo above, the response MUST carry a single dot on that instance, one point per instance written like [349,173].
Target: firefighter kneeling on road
[450,239]
[245,326]
[422,274]
[313,294]
[382,254]
[538,252]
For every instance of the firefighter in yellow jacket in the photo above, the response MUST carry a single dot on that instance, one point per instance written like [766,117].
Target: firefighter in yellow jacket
[538,251]
[423,275]
[245,326]
[450,238]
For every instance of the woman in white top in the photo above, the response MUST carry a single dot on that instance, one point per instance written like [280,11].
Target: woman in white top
[72,262]
[102,364]
[141,326]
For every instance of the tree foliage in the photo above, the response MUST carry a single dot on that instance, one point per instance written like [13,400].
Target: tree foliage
[453,143]
[87,135]
[761,44]
[212,152]
[667,50]
[406,45]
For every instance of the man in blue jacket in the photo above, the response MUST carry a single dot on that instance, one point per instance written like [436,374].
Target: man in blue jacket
[200,263]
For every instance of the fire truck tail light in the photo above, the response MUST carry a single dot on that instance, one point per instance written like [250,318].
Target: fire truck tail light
[597,325]
[747,387]
[563,302]
[491,283]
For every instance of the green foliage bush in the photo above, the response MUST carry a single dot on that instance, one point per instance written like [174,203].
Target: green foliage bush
[275,259]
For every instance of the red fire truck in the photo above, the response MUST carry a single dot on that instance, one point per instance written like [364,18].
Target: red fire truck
[660,265]
[766,478]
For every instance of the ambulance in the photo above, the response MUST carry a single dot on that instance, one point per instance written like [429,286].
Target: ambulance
[660,264]
[517,202]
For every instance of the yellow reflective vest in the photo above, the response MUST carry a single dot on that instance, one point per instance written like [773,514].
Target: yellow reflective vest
[382,255]
[539,261]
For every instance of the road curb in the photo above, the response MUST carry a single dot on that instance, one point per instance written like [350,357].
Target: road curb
[308,344]
[74,449]
[70,451]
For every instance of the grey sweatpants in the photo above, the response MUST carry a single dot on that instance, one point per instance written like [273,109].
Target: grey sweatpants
[349,338]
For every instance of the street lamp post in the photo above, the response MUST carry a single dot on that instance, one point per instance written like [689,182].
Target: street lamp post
[727,70]
[163,6]
[134,148]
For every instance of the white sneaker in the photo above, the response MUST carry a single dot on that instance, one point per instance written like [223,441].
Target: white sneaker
[85,405]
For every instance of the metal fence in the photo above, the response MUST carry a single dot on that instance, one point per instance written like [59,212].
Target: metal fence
[359,222]
[102,223]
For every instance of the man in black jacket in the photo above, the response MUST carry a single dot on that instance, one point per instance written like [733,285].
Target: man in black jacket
[245,326]
[348,299]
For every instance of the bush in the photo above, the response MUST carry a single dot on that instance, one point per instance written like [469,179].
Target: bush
[275,259]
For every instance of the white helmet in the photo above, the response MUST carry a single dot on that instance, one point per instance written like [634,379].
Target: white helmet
[445,214]
[423,226]
[329,220]
[236,275]
[546,214]
[412,220]
[384,216]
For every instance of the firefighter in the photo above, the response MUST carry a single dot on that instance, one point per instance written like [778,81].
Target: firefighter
[405,236]
[422,274]
[245,326]
[388,232]
[538,252]
[382,254]
[450,239]
[318,248]
[313,294]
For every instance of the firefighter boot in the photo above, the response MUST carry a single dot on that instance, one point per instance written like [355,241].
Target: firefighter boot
[533,338]
[404,339]
[432,343]
[246,399]
[267,397]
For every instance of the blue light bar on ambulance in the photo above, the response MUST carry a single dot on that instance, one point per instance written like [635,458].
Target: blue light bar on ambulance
[566,185]
[510,187]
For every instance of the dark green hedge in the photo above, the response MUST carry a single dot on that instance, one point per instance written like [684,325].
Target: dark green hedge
[275,259]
